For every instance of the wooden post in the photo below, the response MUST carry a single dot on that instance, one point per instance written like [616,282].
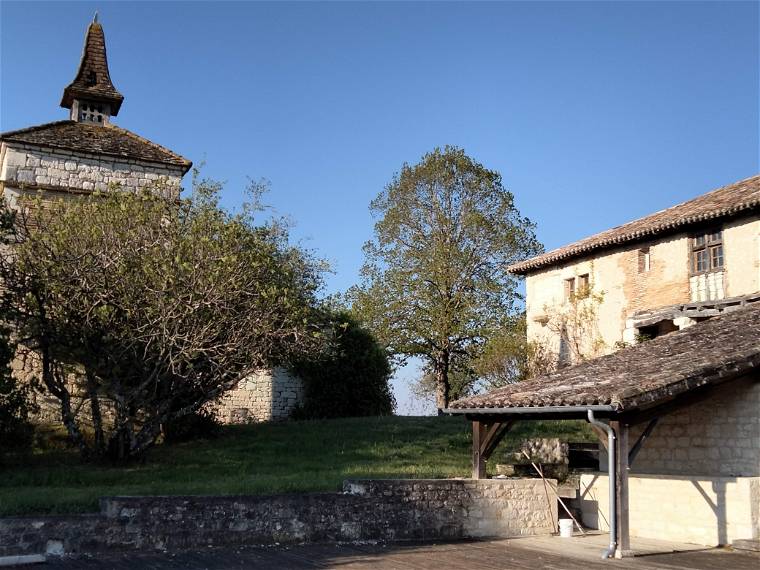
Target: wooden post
[623,533]
[478,461]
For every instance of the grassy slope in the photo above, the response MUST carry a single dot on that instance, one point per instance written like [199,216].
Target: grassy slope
[259,459]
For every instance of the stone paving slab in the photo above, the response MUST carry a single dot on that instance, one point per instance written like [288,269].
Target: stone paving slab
[519,554]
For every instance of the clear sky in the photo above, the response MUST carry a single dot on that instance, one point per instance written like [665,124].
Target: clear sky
[595,113]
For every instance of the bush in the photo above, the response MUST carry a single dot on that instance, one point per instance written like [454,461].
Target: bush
[198,425]
[351,380]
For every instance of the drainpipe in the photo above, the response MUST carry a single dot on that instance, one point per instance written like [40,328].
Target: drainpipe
[612,476]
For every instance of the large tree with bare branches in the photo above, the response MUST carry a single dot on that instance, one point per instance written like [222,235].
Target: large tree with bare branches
[435,281]
[146,309]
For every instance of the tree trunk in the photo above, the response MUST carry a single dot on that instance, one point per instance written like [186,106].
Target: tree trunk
[97,418]
[442,385]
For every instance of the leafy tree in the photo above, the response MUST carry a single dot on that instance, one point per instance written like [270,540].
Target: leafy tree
[509,357]
[152,308]
[435,283]
[352,379]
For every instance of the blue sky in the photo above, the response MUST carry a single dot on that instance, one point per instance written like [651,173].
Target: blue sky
[595,113]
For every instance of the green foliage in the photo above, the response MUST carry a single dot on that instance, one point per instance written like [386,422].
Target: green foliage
[435,281]
[15,429]
[287,457]
[509,357]
[153,307]
[352,379]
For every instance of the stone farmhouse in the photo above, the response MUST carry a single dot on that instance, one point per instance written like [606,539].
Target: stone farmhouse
[652,276]
[675,401]
[86,153]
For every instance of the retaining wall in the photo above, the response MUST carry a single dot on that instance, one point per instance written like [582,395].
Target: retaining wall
[390,510]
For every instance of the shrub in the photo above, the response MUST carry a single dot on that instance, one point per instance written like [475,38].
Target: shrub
[198,425]
[351,380]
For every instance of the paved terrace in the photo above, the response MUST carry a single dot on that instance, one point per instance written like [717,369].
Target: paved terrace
[532,553]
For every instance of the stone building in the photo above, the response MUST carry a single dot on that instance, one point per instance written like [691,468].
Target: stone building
[86,153]
[648,277]
[679,398]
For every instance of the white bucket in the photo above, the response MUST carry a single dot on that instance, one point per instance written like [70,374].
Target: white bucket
[566,528]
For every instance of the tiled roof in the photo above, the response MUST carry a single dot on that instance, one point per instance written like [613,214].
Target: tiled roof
[96,139]
[93,80]
[723,202]
[709,352]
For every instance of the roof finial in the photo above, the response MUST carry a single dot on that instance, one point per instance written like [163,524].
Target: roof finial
[95,18]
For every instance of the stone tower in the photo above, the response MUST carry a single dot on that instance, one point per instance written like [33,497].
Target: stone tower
[87,151]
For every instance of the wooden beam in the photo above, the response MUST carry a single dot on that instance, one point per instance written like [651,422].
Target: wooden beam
[640,441]
[496,433]
[485,438]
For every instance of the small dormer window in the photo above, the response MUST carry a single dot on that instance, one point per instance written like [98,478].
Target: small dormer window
[90,112]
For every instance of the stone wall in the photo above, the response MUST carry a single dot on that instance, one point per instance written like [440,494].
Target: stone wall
[268,395]
[720,436]
[391,510]
[32,167]
[700,510]
[616,274]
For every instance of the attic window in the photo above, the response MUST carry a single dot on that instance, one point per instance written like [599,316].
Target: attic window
[92,78]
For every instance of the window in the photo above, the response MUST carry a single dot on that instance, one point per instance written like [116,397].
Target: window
[644,260]
[584,285]
[569,288]
[707,251]
[90,112]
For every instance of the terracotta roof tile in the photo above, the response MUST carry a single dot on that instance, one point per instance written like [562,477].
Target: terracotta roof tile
[719,349]
[723,202]
[92,138]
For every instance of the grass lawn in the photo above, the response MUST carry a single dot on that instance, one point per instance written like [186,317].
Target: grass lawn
[261,459]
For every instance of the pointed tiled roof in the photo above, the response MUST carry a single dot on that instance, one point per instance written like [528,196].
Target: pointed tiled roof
[724,202]
[91,138]
[93,81]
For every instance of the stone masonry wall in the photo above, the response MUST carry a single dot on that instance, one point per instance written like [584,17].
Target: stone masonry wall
[720,436]
[680,508]
[24,165]
[264,396]
[616,275]
[391,510]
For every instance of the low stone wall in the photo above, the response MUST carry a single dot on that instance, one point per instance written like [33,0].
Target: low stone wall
[391,510]
[700,510]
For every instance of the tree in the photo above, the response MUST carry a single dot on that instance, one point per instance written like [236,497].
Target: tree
[351,378]
[148,308]
[509,357]
[435,283]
